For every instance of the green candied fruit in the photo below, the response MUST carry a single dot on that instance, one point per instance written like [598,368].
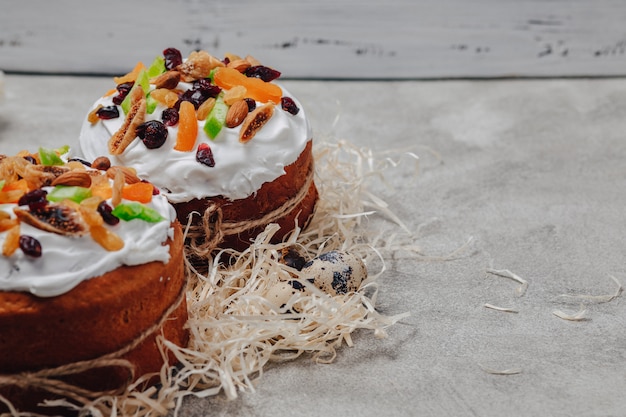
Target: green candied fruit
[2,182]
[50,157]
[65,192]
[151,104]
[134,210]
[216,118]
[143,80]
[157,67]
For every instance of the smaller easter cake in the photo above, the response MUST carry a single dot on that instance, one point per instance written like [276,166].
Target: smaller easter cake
[218,137]
[91,274]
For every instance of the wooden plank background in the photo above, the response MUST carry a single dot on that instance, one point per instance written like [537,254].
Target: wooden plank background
[369,39]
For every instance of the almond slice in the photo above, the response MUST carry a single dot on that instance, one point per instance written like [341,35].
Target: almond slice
[73,178]
[255,121]
[236,114]
[168,80]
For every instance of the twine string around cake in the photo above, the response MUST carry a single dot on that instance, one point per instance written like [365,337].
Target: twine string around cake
[206,237]
[48,379]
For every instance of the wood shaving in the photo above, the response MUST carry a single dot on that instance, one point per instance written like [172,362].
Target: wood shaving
[599,299]
[236,332]
[508,371]
[521,290]
[578,316]
[503,309]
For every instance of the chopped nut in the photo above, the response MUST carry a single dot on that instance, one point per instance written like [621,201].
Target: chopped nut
[102,163]
[73,178]
[198,65]
[130,175]
[205,108]
[235,94]
[239,64]
[252,60]
[168,80]
[236,114]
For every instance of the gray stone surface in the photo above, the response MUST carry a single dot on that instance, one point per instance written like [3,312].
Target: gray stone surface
[532,172]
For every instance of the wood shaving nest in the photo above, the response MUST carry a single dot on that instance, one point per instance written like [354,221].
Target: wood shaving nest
[236,332]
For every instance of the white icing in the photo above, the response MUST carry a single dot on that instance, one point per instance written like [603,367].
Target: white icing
[67,261]
[240,168]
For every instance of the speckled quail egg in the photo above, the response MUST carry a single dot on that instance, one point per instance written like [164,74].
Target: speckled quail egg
[280,293]
[336,272]
[292,256]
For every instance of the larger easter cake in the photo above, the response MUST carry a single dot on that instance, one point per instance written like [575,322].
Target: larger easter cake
[220,138]
[91,274]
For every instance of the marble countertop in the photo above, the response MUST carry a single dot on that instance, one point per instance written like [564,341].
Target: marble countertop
[524,176]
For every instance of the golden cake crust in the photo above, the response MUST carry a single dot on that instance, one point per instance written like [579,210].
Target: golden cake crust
[271,196]
[100,316]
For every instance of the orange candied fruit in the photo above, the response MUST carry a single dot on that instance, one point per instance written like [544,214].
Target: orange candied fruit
[131,76]
[256,88]
[139,191]
[187,127]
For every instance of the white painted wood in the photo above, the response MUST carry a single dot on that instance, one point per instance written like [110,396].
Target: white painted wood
[324,38]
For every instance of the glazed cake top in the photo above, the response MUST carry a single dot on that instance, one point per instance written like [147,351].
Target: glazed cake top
[64,222]
[203,126]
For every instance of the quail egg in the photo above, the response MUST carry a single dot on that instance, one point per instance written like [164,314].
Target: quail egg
[336,272]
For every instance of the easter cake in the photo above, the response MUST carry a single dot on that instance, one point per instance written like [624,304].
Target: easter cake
[220,138]
[91,274]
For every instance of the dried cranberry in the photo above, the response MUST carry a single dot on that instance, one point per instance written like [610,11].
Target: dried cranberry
[199,93]
[153,133]
[204,155]
[289,105]
[173,58]
[30,246]
[251,103]
[122,90]
[31,159]
[170,117]
[108,112]
[267,74]
[106,211]
[82,161]
[34,196]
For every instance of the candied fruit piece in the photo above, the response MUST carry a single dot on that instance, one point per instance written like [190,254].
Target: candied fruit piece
[72,193]
[131,76]
[139,191]
[135,210]
[49,157]
[157,67]
[257,89]
[216,118]
[187,127]
[11,241]
[106,238]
